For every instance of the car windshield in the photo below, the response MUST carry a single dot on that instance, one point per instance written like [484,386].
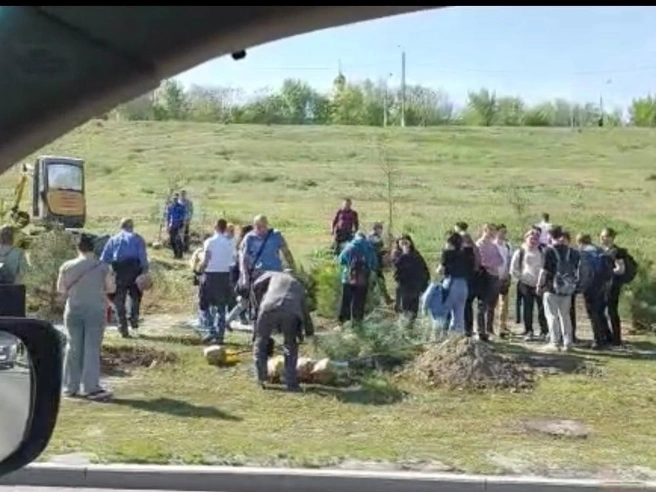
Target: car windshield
[462,195]
[64,177]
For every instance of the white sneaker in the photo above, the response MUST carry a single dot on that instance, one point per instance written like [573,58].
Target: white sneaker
[551,348]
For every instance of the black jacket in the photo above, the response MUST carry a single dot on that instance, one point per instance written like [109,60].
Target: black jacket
[411,272]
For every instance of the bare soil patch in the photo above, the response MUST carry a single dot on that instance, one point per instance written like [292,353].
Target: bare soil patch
[459,363]
[119,360]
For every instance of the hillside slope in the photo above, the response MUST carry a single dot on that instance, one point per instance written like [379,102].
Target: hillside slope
[298,175]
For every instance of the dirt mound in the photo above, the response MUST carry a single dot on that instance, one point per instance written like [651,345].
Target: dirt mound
[119,358]
[466,364]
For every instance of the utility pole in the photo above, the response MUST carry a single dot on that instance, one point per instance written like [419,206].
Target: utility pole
[386,101]
[385,107]
[403,88]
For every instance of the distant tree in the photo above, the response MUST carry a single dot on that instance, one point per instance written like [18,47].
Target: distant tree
[368,103]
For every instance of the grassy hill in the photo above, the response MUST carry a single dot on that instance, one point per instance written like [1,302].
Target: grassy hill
[298,176]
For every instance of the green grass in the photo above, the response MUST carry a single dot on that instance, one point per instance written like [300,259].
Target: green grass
[192,413]
[298,175]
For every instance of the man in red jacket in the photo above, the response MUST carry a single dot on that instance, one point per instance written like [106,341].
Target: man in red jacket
[345,225]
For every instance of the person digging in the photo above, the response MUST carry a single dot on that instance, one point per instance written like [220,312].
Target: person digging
[281,307]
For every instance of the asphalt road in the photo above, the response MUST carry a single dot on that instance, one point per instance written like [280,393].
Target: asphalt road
[14,407]
[63,489]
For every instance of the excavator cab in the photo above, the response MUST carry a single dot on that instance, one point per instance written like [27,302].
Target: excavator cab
[58,192]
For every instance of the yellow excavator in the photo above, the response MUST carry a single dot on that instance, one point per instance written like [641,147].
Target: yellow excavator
[57,196]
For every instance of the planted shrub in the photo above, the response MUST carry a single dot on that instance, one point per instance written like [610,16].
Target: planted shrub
[46,254]
[641,297]
[378,338]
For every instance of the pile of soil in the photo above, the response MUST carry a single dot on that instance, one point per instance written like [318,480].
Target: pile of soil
[460,363]
[115,358]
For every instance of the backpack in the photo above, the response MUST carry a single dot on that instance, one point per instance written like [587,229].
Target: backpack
[630,268]
[358,270]
[431,302]
[565,279]
[595,269]
[7,275]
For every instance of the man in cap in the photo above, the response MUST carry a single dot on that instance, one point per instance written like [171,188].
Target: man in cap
[126,253]
[280,301]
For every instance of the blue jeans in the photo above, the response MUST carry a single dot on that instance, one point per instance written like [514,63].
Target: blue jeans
[454,304]
[268,323]
[214,296]
[213,319]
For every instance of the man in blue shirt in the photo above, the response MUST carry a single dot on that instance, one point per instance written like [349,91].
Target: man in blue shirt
[176,214]
[262,250]
[126,253]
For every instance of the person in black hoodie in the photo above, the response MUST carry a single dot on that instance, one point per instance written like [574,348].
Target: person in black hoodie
[411,276]
[470,249]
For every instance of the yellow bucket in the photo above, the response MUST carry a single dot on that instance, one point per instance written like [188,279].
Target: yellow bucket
[231,358]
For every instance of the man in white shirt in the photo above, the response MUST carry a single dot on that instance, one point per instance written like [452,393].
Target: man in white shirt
[545,226]
[216,293]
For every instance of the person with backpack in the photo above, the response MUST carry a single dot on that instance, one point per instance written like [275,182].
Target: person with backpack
[411,276]
[357,261]
[625,270]
[525,266]
[13,267]
[557,283]
[595,277]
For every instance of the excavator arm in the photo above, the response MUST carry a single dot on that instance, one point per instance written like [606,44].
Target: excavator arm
[13,206]
[19,190]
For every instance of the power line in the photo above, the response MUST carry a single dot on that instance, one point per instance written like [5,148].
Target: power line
[441,68]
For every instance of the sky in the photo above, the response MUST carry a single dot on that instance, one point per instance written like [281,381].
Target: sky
[538,53]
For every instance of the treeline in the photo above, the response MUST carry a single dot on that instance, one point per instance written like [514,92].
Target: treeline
[372,104]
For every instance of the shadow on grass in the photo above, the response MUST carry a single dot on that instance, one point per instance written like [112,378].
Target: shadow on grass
[639,351]
[176,407]
[551,363]
[114,372]
[643,346]
[187,340]
[366,392]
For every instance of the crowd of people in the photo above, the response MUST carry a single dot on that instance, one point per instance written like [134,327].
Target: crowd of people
[548,269]
[248,274]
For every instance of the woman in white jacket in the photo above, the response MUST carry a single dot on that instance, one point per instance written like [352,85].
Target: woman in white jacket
[525,267]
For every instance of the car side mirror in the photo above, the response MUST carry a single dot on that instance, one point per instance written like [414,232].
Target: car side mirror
[30,389]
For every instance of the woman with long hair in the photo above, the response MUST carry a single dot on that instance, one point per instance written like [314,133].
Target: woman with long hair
[411,275]
[457,265]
